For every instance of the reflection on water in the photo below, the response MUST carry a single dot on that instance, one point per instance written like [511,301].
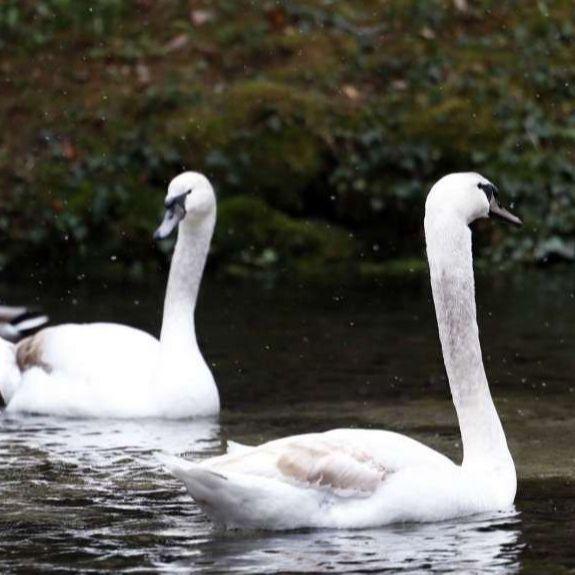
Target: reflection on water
[486,545]
[74,491]
[101,443]
[89,496]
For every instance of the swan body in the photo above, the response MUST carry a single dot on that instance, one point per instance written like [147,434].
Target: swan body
[353,478]
[113,370]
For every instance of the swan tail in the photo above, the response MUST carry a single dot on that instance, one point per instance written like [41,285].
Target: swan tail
[196,478]
[236,500]
[211,490]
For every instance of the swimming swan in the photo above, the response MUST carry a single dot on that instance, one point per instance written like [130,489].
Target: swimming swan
[354,478]
[18,322]
[112,370]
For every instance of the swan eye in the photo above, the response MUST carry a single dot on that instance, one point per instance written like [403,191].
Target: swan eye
[177,201]
[489,190]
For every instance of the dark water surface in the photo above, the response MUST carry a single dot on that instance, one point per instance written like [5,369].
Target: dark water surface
[83,496]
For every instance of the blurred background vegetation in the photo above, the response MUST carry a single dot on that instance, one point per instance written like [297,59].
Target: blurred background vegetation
[322,124]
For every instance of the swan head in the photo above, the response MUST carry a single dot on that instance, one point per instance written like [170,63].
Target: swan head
[191,198]
[468,196]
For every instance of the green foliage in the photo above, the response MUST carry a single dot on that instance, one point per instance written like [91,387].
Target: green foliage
[261,137]
[318,121]
[37,22]
[252,234]
[103,203]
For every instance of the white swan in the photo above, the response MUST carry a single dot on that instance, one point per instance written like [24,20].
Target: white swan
[112,370]
[352,478]
[18,322]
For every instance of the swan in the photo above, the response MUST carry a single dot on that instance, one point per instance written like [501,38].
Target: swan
[17,322]
[355,478]
[113,370]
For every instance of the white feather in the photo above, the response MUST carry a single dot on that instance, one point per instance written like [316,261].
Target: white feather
[236,448]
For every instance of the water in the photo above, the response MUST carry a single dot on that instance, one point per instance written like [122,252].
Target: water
[88,496]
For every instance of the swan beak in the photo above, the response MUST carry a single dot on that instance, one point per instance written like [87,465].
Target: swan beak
[500,213]
[173,216]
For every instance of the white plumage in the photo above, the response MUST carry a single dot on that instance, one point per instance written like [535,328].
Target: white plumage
[112,370]
[352,478]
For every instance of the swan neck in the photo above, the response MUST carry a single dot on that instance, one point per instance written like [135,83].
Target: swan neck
[186,270]
[449,250]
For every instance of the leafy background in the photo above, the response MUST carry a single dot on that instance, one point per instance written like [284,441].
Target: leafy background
[322,124]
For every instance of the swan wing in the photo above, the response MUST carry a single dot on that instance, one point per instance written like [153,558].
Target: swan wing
[309,462]
[97,370]
[82,349]
[344,470]
[337,478]
[344,460]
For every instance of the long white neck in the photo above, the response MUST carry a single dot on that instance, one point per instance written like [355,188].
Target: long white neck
[178,334]
[450,257]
